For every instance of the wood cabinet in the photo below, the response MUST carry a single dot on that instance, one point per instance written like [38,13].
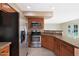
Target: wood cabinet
[59,47]
[67,49]
[5,51]
[48,42]
[62,48]
[51,43]
[44,41]
[6,8]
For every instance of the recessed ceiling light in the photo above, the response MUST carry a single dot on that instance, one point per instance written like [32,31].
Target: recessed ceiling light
[28,7]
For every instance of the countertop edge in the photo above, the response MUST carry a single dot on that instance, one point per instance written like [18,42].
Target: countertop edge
[61,40]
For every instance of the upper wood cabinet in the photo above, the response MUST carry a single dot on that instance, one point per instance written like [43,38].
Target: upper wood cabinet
[5,7]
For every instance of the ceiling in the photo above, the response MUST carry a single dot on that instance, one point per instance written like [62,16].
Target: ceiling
[35,6]
[62,12]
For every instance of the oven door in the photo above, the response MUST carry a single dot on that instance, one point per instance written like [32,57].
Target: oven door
[36,41]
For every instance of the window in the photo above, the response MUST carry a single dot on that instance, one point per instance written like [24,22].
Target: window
[73,31]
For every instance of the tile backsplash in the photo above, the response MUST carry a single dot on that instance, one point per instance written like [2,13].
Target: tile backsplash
[53,32]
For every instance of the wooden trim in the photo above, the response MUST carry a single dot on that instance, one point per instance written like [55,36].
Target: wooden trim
[7,8]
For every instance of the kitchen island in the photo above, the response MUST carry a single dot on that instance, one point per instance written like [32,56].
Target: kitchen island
[61,45]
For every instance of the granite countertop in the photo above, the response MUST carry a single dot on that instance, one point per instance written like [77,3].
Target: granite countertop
[74,42]
[4,44]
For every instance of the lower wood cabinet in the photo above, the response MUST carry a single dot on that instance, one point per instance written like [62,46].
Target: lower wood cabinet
[5,51]
[48,42]
[66,49]
[44,41]
[51,43]
[59,47]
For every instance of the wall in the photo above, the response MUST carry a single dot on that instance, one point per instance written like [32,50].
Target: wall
[65,26]
[22,22]
[50,26]
[64,12]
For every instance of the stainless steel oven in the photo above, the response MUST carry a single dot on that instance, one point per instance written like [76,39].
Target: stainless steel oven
[36,41]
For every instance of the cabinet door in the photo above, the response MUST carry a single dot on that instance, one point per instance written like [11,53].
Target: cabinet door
[51,43]
[44,41]
[47,42]
[66,50]
[57,46]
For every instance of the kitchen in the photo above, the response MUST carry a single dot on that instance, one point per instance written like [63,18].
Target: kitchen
[52,27]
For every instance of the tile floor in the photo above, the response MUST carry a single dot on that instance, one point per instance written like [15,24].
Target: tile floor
[40,52]
[34,51]
[22,49]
